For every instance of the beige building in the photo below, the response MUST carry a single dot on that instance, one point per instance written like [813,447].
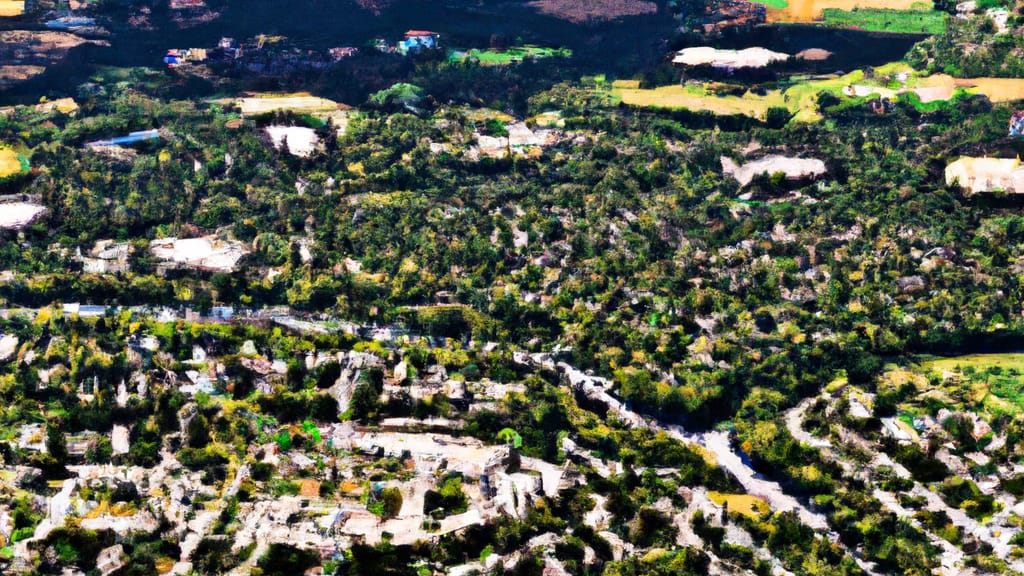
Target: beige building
[987,175]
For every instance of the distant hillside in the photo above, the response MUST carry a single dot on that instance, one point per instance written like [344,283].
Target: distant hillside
[589,10]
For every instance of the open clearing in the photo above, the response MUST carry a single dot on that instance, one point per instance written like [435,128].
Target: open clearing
[1009,361]
[812,10]
[745,504]
[997,89]
[512,55]
[994,380]
[301,141]
[11,163]
[300,102]
[801,98]
[11,7]
[698,99]
[886,20]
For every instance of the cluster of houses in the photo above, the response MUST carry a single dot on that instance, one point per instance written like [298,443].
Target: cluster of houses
[415,41]
[495,480]
[1017,124]
[255,56]
[227,50]
[188,13]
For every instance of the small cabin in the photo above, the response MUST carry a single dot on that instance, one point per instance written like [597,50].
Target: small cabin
[416,40]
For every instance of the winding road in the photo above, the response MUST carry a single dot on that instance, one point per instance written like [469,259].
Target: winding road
[596,389]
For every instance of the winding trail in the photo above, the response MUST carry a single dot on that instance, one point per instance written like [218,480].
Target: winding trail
[717,443]
[596,388]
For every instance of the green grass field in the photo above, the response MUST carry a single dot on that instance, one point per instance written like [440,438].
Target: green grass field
[799,98]
[773,4]
[885,20]
[509,56]
[995,380]
[979,362]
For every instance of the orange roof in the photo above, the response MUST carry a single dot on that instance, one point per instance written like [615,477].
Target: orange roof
[412,33]
[309,488]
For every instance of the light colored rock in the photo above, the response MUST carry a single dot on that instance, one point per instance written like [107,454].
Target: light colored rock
[756,57]
[793,168]
[15,215]
[8,346]
[302,141]
[207,253]
[119,439]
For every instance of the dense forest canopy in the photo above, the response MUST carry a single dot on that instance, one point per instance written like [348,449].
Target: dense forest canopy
[721,367]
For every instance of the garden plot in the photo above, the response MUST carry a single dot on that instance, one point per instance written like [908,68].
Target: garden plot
[513,55]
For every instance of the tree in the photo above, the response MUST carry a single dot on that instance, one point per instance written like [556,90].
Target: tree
[364,404]
[198,431]
[391,497]
[777,117]
[99,451]
[287,560]
[510,437]
[56,442]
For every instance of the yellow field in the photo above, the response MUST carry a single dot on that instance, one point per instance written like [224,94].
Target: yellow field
[997,89]
[300,102]
[11,7]
[164,564]
[997,394]
[698,99]
[810,10]
[896,378]
[9,163]
[801,98]
[745,504]
[978,361]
